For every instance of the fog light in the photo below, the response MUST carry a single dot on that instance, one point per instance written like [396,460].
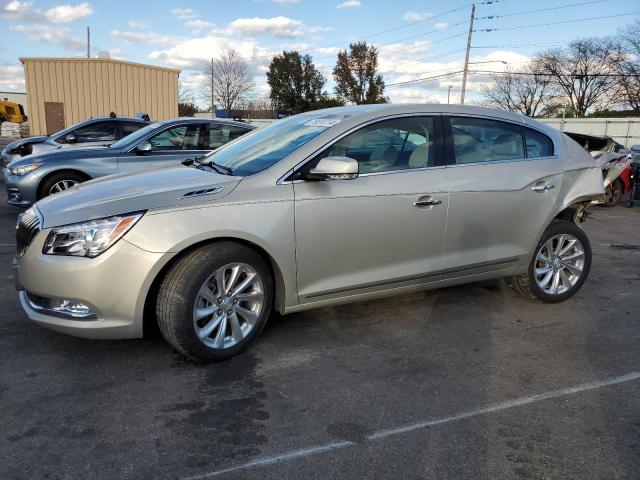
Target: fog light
[72,308]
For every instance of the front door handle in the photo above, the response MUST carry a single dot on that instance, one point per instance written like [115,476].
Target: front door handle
[427,203]
[543,187]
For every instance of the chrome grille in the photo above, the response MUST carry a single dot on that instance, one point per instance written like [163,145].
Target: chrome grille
[26,230]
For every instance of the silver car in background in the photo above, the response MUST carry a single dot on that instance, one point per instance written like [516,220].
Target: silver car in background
[322,208]
[99,131]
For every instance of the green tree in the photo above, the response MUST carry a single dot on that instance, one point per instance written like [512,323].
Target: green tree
[296,84]
[356,75]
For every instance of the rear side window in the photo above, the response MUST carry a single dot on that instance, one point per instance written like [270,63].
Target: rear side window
[477,140]
[130,127]
[218,135]
[538,144]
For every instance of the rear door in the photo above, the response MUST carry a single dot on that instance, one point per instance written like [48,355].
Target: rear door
[217,134]
[170,147]
[504,181]
[383,229]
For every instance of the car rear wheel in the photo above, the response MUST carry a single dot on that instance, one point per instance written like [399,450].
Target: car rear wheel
[214,301]
[613,193]
[59,182]
[560,265]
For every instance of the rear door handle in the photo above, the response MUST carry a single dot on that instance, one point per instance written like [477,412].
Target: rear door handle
[543,187]
[427,203]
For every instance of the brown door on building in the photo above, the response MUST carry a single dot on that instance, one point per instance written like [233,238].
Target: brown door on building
[53,117]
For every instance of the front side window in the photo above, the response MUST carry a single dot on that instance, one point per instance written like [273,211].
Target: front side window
[478,140]
[181,137]
[218,135]
[95,132]
[391,145]
[538,144]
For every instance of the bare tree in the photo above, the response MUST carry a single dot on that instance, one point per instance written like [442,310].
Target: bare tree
[227,81]
[520,91]
[628,66]
[585,71]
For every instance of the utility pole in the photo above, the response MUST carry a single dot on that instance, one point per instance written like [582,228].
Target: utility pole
[88,43]
[213,111]
[449,95]
[466,57]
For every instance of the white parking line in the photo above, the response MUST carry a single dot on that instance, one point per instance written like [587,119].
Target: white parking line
[487,409]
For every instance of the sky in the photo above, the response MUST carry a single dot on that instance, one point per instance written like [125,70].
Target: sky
[415,38]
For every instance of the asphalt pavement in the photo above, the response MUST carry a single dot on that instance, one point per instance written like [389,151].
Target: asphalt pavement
[471,382]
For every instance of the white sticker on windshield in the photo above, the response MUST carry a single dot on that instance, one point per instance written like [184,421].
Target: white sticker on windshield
[322,122]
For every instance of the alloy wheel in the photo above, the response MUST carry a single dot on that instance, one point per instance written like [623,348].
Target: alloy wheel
[559,264]
[61,186]
[228,305]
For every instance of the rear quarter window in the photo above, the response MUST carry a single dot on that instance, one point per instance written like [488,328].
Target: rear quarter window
[538,144]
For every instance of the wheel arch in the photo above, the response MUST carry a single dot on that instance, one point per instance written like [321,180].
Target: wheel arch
[56,172]
[149,315]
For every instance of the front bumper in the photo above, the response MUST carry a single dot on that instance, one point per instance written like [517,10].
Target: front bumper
[21,191]
[114,285]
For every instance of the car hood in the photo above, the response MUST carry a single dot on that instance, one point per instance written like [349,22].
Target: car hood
[64,154]
[129,192]
[25,141]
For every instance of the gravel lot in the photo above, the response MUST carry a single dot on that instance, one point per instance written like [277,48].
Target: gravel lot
[443,384]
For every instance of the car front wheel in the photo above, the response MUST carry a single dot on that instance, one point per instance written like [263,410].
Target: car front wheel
[560,264]
[214,301]
[59,182]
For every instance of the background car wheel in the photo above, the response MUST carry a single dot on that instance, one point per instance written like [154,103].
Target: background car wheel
[560,264]
[214,301]
[613,193]
[59,182]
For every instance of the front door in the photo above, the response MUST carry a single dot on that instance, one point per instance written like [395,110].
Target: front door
[53,117]
[504,183]
[169,147]
[382,230]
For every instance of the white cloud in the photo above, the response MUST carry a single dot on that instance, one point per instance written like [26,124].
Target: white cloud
[184,13]
[68,13]
[441,25]
[276,26]
[15,10]
[137,24]
[50,34]
[197,25]
[287,2]
[151,38]
[12,78]
[349,4]
[411,16]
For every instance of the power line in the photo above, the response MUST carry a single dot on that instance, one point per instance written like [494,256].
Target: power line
[518,45]
[557,23]
[490,17]
[423,79]
[547,74]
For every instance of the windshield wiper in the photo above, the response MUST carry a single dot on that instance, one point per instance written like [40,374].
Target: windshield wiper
[224,170]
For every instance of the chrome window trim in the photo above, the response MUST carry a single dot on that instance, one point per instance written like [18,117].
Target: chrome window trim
[495,162]
[308,158]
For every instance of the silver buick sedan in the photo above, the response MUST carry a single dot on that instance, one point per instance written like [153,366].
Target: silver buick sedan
[326,207]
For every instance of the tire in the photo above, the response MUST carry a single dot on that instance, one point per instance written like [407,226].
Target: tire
[569,281]
[190,288]
[62,178]
[613,193]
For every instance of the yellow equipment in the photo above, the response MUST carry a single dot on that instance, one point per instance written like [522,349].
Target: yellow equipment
[11,112]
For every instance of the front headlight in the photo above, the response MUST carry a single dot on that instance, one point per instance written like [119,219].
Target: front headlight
[89,239]
[25,169]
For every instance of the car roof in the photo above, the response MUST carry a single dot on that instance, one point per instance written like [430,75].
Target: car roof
[117,119]
[224,121]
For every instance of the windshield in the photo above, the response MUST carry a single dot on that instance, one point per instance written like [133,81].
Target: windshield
[267,146]
[135,136]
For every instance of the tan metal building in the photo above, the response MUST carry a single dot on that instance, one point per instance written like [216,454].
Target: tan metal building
[65,91]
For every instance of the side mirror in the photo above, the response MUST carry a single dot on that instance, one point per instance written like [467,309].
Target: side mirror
[334,168]
[70,138]
[144,147]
